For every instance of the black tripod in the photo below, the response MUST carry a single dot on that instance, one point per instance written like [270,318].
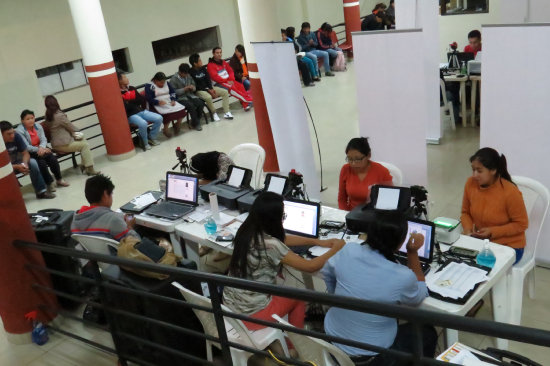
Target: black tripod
[182,161]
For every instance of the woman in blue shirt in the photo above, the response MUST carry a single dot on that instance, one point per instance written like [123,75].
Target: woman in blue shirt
[369,271]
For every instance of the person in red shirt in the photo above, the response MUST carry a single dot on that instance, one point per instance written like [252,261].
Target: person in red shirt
[222,74]
[359,174]
[474,39]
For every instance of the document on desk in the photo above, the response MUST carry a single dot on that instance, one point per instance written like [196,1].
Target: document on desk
[202,212]
[461,354]
[143,200]
[455,280]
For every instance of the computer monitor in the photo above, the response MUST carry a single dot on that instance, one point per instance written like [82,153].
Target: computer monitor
[183,188]
[302,218]
[427,229]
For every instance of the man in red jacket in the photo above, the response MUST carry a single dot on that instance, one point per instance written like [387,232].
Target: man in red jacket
[474,40]
[222,74]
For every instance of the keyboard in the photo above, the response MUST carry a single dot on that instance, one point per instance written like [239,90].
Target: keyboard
[423,265]
[169,210]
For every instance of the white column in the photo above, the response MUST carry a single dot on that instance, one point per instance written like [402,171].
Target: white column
[258,24]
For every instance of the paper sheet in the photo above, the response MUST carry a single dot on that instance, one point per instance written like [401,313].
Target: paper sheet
[347,238]
[388,199]
[224,219]
[317,251]
[144,200]
[242,217]
[455,280]
[461,354]
[236,177]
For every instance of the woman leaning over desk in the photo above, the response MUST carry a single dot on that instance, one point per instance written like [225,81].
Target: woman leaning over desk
[492,206]
[359,174]
[260,250]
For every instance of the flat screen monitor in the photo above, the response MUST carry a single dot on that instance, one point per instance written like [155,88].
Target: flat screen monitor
[183,188]
[427,229]
[302,218]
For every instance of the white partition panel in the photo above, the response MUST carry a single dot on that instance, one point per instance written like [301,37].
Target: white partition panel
[391,94]
[515,113]
[287,113]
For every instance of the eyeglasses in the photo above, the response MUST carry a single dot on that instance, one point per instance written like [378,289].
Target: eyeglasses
[355,161]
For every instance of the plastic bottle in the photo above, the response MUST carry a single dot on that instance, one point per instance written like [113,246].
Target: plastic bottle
[463,69]
[210,226]
[486,257]
[39,334]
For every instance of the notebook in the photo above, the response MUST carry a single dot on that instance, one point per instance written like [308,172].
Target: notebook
[425,253]
[182,195]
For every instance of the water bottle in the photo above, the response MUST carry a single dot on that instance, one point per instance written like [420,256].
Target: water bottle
[210,226]
[486,257]
[463,69]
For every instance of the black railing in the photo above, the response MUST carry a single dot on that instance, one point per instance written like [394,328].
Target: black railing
[214,282]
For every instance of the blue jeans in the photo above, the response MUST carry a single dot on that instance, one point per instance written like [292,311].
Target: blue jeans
[322,55]
[311,65]
[140,120]
[333,52]
[36,177]
[246,84]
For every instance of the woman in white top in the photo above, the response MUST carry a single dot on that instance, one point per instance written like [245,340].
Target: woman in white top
[162,98]
[260,250]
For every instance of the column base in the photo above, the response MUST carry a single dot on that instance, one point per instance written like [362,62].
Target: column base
[123,156]
[19,339]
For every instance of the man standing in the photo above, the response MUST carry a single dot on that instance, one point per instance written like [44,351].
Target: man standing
[184,86]
[222,74]
[474,40]
[205,90]
[21,159]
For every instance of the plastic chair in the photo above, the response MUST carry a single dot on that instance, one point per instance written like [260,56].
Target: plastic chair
[446,107]
[250,156]
[236,330]
[537,200]
[97,244]
[395,172]
[316,350]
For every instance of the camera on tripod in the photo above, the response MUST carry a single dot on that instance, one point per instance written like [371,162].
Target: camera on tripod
[295,184]
[181,155]
[419,196]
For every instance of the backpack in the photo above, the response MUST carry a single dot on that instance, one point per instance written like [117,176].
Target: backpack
[146,250]
[340,62]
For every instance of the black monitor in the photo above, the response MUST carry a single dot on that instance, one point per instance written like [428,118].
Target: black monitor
[302,217]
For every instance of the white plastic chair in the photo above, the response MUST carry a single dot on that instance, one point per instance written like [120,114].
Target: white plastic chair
[236,330]
[446,110]
[250,156]
[316,350]
[395,172]
[537,200]
[96,244]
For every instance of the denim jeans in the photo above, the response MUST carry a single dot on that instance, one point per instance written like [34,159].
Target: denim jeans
[36,177]
[246,84]
[320,54]
[140,120]
[333,52]
[311,65]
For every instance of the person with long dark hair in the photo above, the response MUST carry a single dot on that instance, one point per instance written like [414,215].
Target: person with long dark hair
[239,65]
[370,272]
[492,206]
[359,174]
[260,250]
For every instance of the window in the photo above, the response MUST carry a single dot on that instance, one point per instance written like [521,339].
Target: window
[455,7]
[55,79]
[122,60]
[173,48]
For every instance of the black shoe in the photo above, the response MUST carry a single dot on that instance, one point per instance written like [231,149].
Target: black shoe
[45,195]
[198,128]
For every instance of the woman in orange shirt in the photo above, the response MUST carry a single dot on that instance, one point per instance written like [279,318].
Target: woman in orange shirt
[492,206]
[359,174]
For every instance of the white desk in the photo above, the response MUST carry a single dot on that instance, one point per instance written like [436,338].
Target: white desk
[497,284]
[166,226]
[476,79]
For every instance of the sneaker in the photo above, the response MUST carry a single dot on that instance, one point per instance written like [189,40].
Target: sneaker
[154,142]
[197,128]
[310,84]
[45,195]
[216,117]
[317,78]
[228,115]
[328,73]
[147,147]
[62,183]
[247,108]
[51,187]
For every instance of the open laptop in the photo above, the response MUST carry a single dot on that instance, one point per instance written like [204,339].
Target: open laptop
[182,195]
[302,219]
[425,254]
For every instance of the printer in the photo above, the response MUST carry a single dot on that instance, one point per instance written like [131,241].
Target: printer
[474,66]
[273,183]
[229,190]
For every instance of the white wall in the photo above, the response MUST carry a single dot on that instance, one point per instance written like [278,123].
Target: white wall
[538,11]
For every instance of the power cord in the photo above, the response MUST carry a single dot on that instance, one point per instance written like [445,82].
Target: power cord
[318,146]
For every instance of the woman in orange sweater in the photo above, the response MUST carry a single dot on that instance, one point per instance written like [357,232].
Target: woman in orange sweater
[492,206]
[359,174]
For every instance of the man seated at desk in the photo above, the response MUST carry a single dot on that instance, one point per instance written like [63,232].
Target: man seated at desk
[369,272]
[474,40]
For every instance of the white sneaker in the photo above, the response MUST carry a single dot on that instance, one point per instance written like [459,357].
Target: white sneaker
[154,142]
[147,147]
[228,115]
[216,117]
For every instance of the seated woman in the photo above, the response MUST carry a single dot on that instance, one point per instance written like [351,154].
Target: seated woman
[210,166]
[162,98]
[240,66]
[64,136]
[359,174]
[289,35]
[34,137]
[492,206]
[369,272]
[260,250]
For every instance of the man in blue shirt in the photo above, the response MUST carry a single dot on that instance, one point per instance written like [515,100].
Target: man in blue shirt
[368,272]
[21,160]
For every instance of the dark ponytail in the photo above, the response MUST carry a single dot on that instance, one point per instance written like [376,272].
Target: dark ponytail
[387,233]
[492,160]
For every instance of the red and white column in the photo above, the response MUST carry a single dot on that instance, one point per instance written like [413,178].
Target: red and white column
[100,70]
[352,19]
[16,295]
[258,23]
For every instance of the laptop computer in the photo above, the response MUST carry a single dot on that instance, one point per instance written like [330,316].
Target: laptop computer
[426,252]
[302,219]
[182,196]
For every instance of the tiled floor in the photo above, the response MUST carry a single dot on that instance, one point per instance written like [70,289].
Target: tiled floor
[334,107]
